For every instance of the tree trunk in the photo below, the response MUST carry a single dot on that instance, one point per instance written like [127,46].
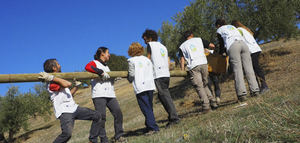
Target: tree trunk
[9,78]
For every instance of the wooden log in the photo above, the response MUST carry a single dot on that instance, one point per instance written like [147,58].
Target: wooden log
[33,77]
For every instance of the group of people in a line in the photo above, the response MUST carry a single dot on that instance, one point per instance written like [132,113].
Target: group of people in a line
[150,72]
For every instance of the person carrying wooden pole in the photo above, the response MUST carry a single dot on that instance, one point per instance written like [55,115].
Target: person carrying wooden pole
[65,108]
[158,54]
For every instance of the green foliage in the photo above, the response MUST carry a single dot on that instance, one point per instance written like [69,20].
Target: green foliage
[17,108]
[117,63]
[268,19]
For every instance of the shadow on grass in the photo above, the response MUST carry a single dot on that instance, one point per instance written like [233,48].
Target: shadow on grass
[26,135]
[137,132]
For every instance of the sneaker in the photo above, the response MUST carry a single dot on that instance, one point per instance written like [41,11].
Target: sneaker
[120,140]
[264,90]
[174,122]
[218,100]
[242,98]
[254,94]
[213,105]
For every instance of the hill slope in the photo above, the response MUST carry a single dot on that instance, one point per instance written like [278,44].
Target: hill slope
[274,116]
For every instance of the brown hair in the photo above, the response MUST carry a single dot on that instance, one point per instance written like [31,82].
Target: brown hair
[237,24]
[99,51]
[135,49]
[220,22]
[49,65]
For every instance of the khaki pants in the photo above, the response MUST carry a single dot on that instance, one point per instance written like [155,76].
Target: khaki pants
[240,59]
[199,78]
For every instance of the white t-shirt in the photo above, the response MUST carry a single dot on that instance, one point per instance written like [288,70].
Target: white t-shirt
[250,41]
[229,34]
[101,87]
[143,74]
[160,60]
[193,52]
[62,101]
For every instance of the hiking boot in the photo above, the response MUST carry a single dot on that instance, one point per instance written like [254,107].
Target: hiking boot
[171,123]
[242,98]
[119,140]
[213,105]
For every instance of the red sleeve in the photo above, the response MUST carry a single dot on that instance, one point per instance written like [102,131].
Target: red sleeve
[54,87]
[88,67]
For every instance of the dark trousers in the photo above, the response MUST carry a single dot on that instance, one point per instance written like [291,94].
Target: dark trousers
[100,105]
[214,80]
[258,70]
[144,100]
[162,85]
[67,124]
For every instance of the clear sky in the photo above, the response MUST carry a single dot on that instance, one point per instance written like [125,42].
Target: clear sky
[32,31]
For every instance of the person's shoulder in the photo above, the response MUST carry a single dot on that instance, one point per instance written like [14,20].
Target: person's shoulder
[133,58]
[197,39]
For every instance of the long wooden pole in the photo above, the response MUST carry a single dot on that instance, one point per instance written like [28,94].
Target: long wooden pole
[33,77]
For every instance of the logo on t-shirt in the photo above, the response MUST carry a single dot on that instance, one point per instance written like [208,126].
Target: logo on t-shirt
[140,64]
[162,52]
[230,27]
[193,48]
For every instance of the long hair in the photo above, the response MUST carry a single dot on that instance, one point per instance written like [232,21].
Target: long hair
[100,50]
[237,24]
[135,49]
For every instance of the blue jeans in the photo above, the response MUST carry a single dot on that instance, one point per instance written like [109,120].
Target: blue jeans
[144,100]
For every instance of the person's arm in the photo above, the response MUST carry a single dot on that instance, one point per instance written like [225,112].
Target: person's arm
[169,62]
[148,51]
[182,63]
[207,44]
[92,67]
[181,59]
[221,41]
[75,88]
[131,72]
[62,82]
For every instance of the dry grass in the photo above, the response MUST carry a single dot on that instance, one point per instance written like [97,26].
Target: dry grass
[273,117]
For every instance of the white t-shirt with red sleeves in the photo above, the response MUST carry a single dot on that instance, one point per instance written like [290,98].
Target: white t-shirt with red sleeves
[101,87]
[62,99]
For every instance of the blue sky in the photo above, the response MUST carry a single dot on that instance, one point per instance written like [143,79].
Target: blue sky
[32,31]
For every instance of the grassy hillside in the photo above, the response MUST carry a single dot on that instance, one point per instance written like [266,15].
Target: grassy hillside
[272,117]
